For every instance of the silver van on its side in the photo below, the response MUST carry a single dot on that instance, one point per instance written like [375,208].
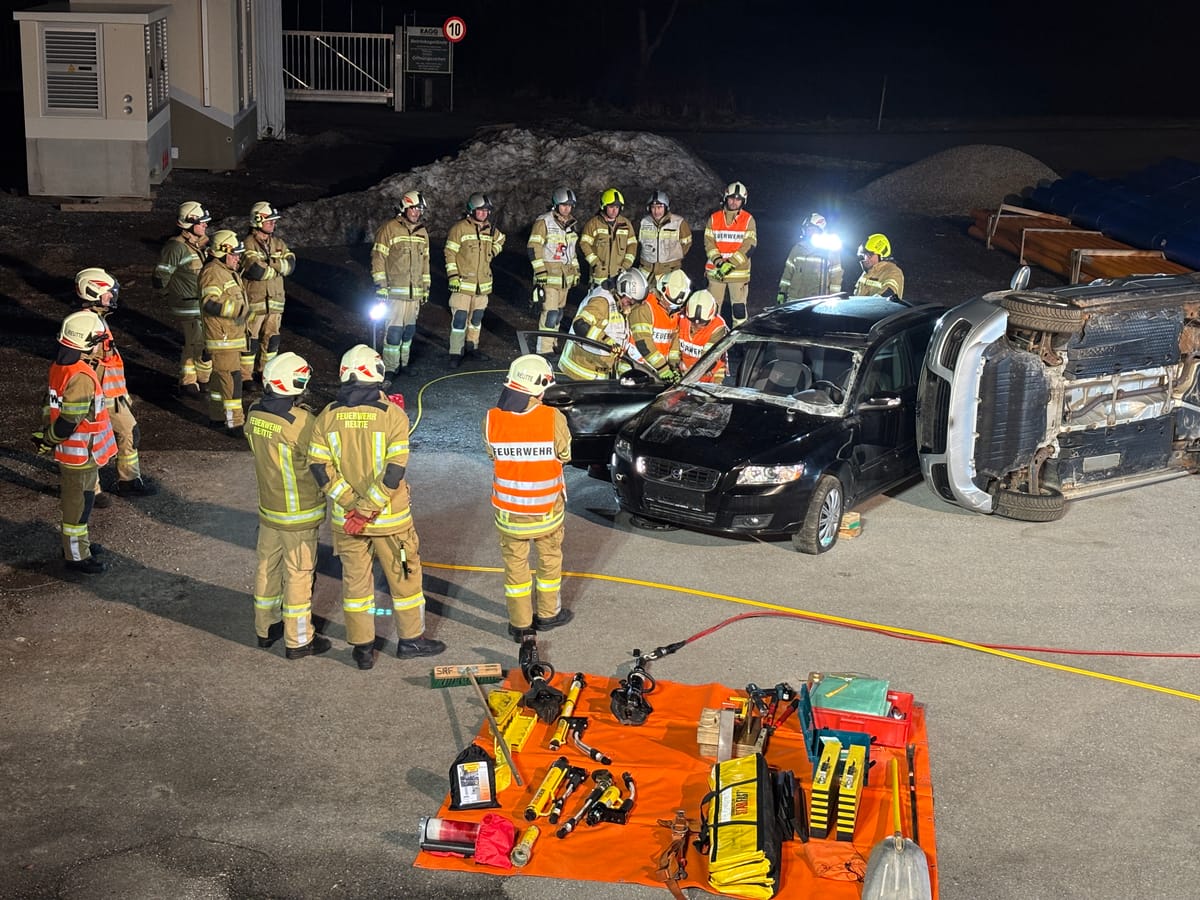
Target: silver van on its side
[1029,398]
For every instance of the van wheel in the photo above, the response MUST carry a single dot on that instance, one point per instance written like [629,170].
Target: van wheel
[823,518]
[1042,316]
[1047,506]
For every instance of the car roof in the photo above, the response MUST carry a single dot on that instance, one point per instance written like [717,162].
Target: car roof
[854,321]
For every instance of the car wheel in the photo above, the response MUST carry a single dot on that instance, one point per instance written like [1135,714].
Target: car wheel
[823,518]
[1041,316]
[1047,506]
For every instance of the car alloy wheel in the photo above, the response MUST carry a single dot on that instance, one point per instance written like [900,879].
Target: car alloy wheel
[819,532]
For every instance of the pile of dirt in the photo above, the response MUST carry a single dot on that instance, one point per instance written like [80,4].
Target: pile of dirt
[955,181]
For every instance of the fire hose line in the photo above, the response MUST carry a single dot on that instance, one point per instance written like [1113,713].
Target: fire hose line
[427,385]
[1005,651]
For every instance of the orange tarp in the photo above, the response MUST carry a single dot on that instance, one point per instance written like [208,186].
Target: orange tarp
[663,757]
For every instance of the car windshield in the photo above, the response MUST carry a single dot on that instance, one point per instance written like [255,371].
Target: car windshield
[795,372]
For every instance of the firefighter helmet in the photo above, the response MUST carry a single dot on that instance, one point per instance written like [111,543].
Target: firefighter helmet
[877,244]
[224,242]
[736,189]
[192,213]
[530,374]
[612,197]
[92,284]
[674,288]
[632,284]
[816,221]
[478,201]
[701,307]
[659,197]
[262,211]
[286,374]
[362,364]
[562,197]
[82,330]
[412,200]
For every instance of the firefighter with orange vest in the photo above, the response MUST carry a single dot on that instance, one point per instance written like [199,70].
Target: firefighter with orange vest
[175,276]
[528,442]
[225,311]
[359,456]
[700,327]
[603,317]
[78,430]
[729,238]
[290,509]
[654,325]
[98,291]
[265,264]
[608,241]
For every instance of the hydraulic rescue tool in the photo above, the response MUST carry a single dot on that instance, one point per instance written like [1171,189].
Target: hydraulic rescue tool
[603,779]
[573,779]
[568,707]
[542,697]
[628,702]
[576,726]
[521,852]
[611,807]
[543,799]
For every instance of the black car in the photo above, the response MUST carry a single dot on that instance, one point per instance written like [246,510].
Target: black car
[814,413]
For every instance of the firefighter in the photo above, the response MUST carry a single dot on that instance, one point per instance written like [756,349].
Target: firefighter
[664,238]
[701,326]
[265,264]
[552,252]
[77,428]
[279,430]
[602,317]
[528,442]
[471,245]
[358,455]
[814,265]
[654,325]
[225,312]
[881,277]
[400,270]
[608,241]
[175,279]
[729,238]
[97,291]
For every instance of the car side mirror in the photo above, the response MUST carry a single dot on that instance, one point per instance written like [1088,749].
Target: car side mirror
[1020,279]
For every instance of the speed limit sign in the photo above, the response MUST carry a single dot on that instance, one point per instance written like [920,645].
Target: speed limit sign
[455,29]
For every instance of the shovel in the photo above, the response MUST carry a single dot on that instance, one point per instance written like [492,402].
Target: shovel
[897,868]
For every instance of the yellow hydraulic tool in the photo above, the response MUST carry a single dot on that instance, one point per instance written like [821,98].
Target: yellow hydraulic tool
[564,724]
[543,799]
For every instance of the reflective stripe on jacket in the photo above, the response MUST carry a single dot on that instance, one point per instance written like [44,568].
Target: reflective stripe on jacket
[651,323]
[731,240]
[177,271]
[270,258]
[663,245]
[93,437]
[809,272]
[221,285]
[879,278]
[470,248]
[288,496]
[605,323]
[552,248]
[400,260]
[607,246]
[528,475]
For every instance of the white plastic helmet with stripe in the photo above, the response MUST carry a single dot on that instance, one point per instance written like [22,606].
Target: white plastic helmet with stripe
[361,363]
[82,330]
[225,242]
[92,284]
[286,374]
[530,374]
[674,288]
[262,211]
[701,307]
[192,213]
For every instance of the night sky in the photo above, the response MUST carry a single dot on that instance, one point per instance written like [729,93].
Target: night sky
[813,60]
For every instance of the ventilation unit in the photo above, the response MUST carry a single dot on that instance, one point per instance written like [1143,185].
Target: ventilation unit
[97,99]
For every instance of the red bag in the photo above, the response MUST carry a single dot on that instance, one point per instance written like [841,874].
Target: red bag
[495,841]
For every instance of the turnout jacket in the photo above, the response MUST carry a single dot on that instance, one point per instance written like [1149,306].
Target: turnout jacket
[76,395]
[694,340]
[224,307]
[279,437]
[552,250]
[470,248]
[809,272]
[176,275]
[266,262]
[663,245]
[400,259]
[358,453]
[600,319]
[877,279]
[607,246]
[732,236]
[651,326]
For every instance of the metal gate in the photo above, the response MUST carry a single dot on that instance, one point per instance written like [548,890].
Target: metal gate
[343,66]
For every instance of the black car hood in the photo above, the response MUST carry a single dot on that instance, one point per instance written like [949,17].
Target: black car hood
[693,428]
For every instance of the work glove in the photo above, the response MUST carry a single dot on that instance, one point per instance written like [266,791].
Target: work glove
[539,295]
[356,522]
[454,283]
[381,292]
[669,376]
[40,442]
[781,297]
[723,270]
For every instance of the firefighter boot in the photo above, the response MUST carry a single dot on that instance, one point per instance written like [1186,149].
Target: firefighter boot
[274,633]
[562,617]
[317,645]
[411,648]
[364,655]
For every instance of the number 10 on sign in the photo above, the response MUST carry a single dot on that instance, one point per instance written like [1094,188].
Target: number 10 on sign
[454,29]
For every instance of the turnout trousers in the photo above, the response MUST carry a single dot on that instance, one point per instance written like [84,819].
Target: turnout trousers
[283,583]
[399,554]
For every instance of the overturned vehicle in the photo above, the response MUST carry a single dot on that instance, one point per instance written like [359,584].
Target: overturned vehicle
[1031,398]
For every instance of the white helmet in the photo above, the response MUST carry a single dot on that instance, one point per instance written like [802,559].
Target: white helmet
[674,287]
[736,189]
[659,197]
[632,284]
[286,374]
[225,242]
[191,213]
[82,330]
[562,197]
[701,307]
[92,284]
[412,200]
[362,364]
[530,374]
[262,211]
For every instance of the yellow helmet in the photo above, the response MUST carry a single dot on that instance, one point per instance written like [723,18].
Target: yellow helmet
[263,212]
[879,245]
[224,242]
[286,374]
[530,374]
[611,196]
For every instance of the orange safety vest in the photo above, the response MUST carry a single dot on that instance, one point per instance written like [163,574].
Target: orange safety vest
[728,237]
[114,372]
[665,326]
[692,344]
[92,438]
[528,475]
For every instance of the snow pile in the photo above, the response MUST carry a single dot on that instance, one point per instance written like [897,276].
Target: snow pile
[519,170]
[955,181]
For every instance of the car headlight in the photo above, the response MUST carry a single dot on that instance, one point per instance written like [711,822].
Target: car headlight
[770,474]
[622,449]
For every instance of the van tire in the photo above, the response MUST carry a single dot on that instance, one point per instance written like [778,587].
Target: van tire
[1049,317]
